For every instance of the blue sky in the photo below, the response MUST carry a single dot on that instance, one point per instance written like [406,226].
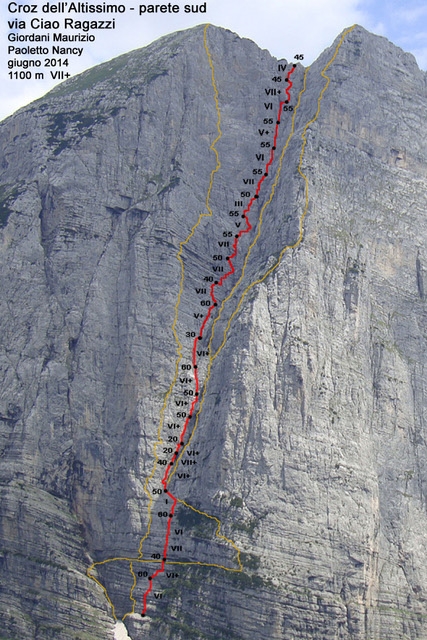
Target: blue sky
[285,27]
[404,23]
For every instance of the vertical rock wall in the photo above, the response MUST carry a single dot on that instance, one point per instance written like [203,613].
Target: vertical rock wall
[311,440]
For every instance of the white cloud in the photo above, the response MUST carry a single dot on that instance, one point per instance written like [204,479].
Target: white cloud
[411,15]
[377,27]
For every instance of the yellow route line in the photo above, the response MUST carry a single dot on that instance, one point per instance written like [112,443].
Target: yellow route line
[132,590]
[306,203]
[180,292]
[254,241]
[175,333]
[156,561]
[92,566]
[293,246]
[253,284]
[218,534]
[169,562]
[181,289]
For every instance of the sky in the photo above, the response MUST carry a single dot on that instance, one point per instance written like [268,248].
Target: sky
[284,27]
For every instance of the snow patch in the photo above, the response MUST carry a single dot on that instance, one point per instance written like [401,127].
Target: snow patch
[120,632]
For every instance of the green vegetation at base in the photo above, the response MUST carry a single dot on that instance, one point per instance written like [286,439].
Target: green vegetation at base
[178,625]
[245,581]
[250,560]
[200,525]
[85,636]
[247,526]
[49,630]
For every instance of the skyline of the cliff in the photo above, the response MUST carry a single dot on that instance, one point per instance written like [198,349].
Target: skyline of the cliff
[212,372]
[284,29]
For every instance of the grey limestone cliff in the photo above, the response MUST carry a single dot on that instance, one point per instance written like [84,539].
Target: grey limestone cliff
[311,441]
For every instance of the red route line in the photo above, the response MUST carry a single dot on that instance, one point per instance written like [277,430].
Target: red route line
[217,283]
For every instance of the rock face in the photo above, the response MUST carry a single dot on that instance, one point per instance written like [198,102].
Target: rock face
[310,444]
